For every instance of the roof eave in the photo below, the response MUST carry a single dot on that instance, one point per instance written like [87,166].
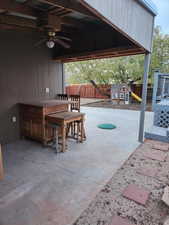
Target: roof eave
[150,6]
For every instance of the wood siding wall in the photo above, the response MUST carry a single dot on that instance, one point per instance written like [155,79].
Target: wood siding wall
[129,16]
[25,72]
[1,165]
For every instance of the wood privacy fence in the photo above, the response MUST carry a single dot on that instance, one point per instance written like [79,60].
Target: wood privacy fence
[89,91]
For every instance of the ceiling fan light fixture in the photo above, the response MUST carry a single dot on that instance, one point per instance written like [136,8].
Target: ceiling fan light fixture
[50,44]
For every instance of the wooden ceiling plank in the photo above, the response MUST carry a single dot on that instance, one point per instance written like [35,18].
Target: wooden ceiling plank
[63,14]
[70,5]
[60,12]
[17,21]
[71,22]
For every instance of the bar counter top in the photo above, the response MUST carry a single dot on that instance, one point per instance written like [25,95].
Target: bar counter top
[46,103]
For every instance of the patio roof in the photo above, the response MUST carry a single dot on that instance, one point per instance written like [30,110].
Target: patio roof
[97,30]
[93,29]
[125,26]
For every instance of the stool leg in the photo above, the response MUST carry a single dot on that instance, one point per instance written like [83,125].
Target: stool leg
[78,130]
[82,130]
[63,138]
[74,129]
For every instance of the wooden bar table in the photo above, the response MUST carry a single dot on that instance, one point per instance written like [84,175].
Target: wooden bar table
[32,118]
[63,119]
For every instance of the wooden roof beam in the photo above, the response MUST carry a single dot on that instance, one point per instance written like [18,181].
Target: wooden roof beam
[70,5]
[17,21]
[13,7]
[99,54]
[60,12]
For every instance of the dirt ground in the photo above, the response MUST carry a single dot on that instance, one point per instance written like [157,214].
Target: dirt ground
[108,104]
[110,201]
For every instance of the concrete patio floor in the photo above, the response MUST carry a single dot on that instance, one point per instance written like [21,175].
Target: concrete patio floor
[84,101]
[42,188]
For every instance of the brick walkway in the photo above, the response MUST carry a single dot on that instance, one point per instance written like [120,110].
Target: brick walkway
[133,195]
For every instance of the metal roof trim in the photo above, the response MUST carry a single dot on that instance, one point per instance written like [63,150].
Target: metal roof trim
[150,6]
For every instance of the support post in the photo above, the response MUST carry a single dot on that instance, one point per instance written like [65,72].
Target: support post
[63,78]
[144,97]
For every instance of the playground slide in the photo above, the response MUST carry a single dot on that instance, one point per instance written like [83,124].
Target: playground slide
[136,97]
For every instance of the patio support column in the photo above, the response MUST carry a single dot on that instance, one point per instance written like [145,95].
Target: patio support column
[63,78]
[144,97]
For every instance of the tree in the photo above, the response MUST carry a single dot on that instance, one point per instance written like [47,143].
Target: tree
[122,69]
[160,55]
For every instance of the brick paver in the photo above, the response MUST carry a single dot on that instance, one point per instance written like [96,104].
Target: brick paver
[137,194]
[147,171]
[156,155]
[161,147]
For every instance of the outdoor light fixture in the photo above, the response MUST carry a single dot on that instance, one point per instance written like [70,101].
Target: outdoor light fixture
[50,44]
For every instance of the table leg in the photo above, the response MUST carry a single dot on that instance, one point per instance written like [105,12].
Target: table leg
[56,139]
[63,138]
[44,134]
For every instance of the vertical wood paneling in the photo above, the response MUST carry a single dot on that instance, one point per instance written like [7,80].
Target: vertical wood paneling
[1,165]
[129,16]
[25,72]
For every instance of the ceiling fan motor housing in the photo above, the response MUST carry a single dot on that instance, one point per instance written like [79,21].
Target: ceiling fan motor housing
[51,22]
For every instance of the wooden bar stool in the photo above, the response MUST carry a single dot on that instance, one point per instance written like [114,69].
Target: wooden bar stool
[75,107]
[62,96]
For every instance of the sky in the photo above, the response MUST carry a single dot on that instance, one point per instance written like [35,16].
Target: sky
[163,14]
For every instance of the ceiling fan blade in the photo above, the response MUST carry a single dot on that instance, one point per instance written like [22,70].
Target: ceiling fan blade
[40,42]
[63,38]
[62,43]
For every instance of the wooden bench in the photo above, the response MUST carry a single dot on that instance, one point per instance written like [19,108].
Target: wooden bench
[1,165]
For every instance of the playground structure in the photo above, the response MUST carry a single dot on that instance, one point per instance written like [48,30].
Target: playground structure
[160,129]
[118,93]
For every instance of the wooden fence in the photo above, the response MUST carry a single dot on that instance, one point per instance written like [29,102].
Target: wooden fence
[89,91]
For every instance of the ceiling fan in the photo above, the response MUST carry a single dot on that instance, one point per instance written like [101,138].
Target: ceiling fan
[52,38]
[51,25]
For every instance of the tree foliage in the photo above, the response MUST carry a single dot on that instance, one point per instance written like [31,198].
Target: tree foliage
[122,69]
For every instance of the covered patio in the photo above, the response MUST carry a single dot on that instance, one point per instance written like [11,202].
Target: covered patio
[41,187]
[37,38]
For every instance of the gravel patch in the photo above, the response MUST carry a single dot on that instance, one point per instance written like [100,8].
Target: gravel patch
[110,202]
